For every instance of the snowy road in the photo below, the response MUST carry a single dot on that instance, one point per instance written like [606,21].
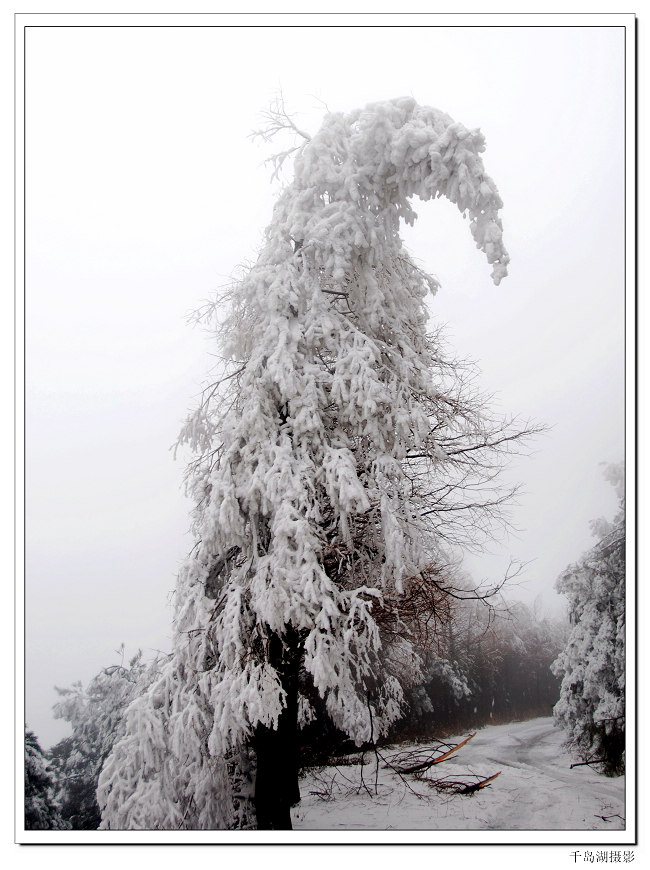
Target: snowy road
[536,790]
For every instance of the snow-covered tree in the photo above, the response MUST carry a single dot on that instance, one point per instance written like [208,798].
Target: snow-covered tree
[96,714]
[337,456]
[42,812]
[592,666]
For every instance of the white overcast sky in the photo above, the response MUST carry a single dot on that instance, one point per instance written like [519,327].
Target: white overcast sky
[143,194]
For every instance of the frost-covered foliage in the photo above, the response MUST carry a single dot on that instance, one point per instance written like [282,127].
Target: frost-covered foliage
[42,811]
[592,666]
[338,402]
[336,456]
[450,685]
[159,776]
[96,714]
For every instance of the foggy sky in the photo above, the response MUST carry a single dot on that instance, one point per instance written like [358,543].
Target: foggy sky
[144,192]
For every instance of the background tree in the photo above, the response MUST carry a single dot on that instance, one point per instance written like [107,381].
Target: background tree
[592,666]
[338,455]
[489,663]
[42,812]
[96,715]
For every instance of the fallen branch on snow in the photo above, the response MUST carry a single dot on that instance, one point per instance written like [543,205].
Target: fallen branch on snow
[422,759]
[458,786]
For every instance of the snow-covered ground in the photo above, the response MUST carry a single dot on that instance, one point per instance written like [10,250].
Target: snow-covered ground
[536,790]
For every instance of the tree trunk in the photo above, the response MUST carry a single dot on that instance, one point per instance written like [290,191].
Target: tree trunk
[276,749]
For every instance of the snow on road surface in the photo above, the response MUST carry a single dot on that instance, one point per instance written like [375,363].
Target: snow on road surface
[536,790]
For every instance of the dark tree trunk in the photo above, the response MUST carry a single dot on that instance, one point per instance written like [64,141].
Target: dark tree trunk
[276,750]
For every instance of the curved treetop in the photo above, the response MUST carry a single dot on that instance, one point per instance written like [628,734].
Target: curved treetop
[354,178]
